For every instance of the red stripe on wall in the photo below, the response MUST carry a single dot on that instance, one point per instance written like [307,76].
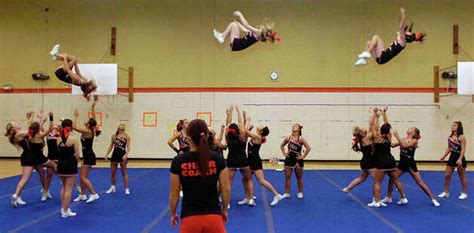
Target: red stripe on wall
[246,89]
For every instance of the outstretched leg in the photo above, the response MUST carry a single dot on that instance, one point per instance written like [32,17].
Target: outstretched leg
[232,30]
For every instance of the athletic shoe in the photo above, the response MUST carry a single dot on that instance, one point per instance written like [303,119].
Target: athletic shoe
[48,195]
[44,197]
[365,55]
[285,195]
[254,197]
[387,200]
[19,201]
[41,190]
[435,203]
[346,190]
[92,198]
[402,201]
[228,206]
[80,198]
[245,201]
[127,191]
[299,195]
[78,188]
[276,199]
[111,189]
[443,195]
[382,204]
[218,36]
[68,213]
[13,201]
[252,203]
[55,51]
[181,194]
[374,204]
[462,196]
[360,62]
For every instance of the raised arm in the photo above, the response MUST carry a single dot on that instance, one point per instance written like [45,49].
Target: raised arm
[240,122]
[29,117]
[246,24]
[404,143]
[43,133]
[254,136]
[75,126]
[96,100]
[228,119]
[221,134]
[402,22]
[385,116]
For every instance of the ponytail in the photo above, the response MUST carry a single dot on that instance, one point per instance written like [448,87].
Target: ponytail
[10,133]
[356,143]
[204,154]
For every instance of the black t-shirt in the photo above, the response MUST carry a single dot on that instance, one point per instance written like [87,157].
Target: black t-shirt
[200,194]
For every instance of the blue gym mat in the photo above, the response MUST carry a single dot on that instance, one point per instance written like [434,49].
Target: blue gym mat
[325,208]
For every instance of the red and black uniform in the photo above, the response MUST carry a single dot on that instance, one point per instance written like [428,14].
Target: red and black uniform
[239,44]
[383,156]
[253,151]
[455,148]
[67,162]
[62,75]
[52,142]
[237,158]
[407,160]
[183,142]
[294,150]
[87,151]
[389,53]
[32,154]
[120,149]
[200,209]
[368,158]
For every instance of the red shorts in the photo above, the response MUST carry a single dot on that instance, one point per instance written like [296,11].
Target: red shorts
[208,223]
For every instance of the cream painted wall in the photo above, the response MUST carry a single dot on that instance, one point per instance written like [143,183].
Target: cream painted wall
[327,118]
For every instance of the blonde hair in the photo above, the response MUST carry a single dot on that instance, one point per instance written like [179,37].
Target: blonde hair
[267,29]
[10,133]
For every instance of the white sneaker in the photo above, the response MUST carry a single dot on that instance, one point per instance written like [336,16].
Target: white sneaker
[68,213]
[111,189]
[44,197]
[299,195]
[285,195]
[92,198]
[386,200]
[443,195]
[276,199]
[228,206]
[19,201]
[374,204]
[127,191]
[78,188]
[365,55]
[218,36]
[462,196]
[252,203]
[382,204]
[402,201]
[254,197]
[41,190]
[48,195]
[55,51]
[435,203]
[14,201]
[245,201]
[346,190]
[80,198]
[181,194]
[360,62]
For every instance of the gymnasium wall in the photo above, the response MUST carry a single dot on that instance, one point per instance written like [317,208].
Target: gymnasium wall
[170,44]
[327,118]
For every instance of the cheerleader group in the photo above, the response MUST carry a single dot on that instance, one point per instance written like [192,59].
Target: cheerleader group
[243,142]
[64,155]
[377,160]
